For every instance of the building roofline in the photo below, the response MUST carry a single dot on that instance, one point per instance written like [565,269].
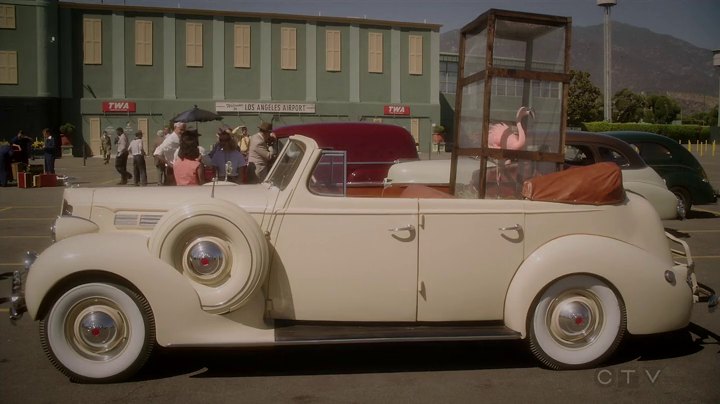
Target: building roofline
[273,16]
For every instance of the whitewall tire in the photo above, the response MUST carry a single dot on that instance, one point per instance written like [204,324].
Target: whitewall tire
[98,332]
[577,322]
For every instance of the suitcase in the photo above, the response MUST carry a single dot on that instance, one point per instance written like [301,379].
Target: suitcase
[45,180]
[24,180]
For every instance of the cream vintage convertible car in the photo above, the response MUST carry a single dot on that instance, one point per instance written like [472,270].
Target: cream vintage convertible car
[303,259]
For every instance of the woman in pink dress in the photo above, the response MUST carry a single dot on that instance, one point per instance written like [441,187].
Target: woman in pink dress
[187,168]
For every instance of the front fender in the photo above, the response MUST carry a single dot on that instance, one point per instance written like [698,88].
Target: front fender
[179,318]
[652,304]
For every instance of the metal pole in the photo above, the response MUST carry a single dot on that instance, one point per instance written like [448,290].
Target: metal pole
[608,66]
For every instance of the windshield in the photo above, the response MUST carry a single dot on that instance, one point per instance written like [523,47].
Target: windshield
[286,165]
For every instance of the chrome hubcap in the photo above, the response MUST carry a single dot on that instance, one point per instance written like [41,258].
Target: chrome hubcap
[207,260]
[575,318]
[97,329]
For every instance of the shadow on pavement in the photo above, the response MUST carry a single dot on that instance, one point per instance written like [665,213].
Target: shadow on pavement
[338,359]
[398,357]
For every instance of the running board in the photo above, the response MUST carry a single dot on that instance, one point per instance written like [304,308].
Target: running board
[306,332]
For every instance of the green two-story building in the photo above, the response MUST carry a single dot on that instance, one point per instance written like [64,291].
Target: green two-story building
[105,66]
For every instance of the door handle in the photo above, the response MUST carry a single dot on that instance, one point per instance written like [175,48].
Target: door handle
[518,229]
[409,227]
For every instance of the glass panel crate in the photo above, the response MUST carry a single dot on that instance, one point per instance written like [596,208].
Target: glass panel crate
[510,113]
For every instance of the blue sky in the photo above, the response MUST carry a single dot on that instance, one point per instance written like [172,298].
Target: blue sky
[695,21]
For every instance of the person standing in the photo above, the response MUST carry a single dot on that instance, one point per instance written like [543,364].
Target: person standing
[6,155]
[105,146]
[187,167]
[227,159]
[159,166]
[137,151]
[23,149]
[260,153]
[243,140]
[165,153]
[49,151]
[122,156]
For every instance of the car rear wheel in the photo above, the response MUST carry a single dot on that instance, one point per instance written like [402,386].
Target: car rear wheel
[98,332]
[577,322]
[684,201]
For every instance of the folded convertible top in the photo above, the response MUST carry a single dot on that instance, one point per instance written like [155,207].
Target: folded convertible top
[596,184]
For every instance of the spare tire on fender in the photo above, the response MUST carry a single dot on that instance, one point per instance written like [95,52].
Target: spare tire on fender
[218,246]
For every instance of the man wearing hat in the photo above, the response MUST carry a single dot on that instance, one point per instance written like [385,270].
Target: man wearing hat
[243,139]
[260,153]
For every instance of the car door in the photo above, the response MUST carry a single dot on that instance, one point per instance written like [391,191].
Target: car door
[469,250]
[339,258]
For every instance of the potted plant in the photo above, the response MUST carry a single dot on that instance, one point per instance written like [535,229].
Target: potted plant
[438,135]
[66,131]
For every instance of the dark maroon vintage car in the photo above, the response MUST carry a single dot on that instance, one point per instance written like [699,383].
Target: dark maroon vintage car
[371,147]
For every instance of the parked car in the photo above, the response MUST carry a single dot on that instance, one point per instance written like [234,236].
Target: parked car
[681,171]
[296,260]
[371,147]
[581,149]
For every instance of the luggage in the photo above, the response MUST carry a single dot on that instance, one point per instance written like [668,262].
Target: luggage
[24,180]
[45,180]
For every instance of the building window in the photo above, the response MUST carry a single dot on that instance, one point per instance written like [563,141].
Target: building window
[193,44]
[332,50]
[92,41]
[143,43]
[415,130]
[375,52]
[546,89]
[415,55]
[288,47]
[242,46]
[8,67]
[448,77]
[7,16]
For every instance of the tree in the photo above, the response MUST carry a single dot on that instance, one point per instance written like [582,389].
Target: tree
[662,109]
[628,106]
[584,101]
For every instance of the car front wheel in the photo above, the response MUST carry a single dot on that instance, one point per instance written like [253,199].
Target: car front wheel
[577,322]
[684,201]
[98,332]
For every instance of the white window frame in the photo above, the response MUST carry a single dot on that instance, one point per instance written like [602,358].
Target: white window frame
[7,16]
[193,44]
[242,41]
[375,52]
[8,67]
[92,41]
[415,55]
[333,50]
[143,42]
[288,48]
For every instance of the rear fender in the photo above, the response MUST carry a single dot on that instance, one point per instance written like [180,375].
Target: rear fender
[652,304]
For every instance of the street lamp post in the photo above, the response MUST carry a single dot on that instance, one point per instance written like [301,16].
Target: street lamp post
[607,79]
[716,63]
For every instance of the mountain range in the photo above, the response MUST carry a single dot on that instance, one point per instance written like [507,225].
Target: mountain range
[643,61]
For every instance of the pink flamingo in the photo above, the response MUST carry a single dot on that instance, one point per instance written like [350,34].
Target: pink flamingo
[501,135]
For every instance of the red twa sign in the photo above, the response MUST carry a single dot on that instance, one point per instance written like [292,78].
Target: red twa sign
[118,106]
[397,110]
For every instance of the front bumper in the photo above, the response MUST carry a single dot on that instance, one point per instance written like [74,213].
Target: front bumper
[17,289]
[700,292]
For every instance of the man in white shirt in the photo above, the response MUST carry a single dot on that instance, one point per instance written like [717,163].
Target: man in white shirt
[165,153]
[122,156]
[137,151]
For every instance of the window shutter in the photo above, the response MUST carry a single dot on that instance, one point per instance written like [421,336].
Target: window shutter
[7,16]
[375,52]
[415,54]
[333,53]
[92,41]
[288,47]
[8,67]
[242,46]
[193,44]
[143,43]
